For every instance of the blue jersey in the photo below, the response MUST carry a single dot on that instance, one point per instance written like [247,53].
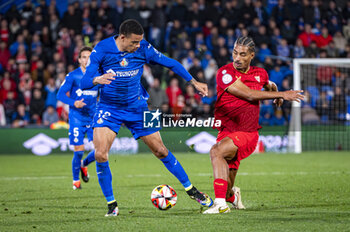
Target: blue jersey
[126,91]
[81,116]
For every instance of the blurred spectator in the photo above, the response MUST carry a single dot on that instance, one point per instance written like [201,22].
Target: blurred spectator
[145,13]
[338,104]
[324,75]
[266,107]
[10,105]
[37,105]
[191,97]
[247,13]
[312,51]
[265,119]
[130,11]
[332,50]
[50,116]
[324,39]
[51,92]
[260,11]
[158,97]
[323,106]
[14,46]
[296,11]
[210,99]
[307,36]
[263,52]
[299,51]
[276,76]
[278,119]
[196,67]
[4,31]
[283,49]
[288,31]
[173,91]
[7,85]
[2,116]
[72,19]
[280,12]
[261,37]
[178,11]
[340,41]
[21,117]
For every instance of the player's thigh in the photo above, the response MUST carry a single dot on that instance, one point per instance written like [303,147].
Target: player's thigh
[156,145]
[103,139]
[225,149]
[79,148]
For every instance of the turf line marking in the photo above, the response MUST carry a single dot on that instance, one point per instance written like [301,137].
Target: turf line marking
[197,174]
[280,173]
[34,178]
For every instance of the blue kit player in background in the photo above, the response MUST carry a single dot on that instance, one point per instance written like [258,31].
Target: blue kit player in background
[123,100]
[82,106]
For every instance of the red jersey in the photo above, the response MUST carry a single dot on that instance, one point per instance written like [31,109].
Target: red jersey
[237,114]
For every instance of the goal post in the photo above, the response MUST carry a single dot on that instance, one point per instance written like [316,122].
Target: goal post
[322,121]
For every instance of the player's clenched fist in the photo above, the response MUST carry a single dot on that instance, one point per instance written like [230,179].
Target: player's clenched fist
[105,79]
[293,95]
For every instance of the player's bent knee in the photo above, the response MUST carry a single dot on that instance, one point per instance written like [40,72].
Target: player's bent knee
[160,152]
[214,152]
[101,156]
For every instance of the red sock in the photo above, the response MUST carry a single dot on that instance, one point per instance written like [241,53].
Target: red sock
[231,199]
[220,188]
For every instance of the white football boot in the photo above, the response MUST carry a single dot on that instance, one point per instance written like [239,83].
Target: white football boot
[239,204]
[218,208]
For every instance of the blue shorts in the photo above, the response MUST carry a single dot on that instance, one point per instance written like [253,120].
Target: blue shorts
[77,134]
[113,118]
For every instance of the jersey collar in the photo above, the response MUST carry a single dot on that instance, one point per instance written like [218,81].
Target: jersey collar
[240,71]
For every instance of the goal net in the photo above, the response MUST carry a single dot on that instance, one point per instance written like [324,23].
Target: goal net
[322,121]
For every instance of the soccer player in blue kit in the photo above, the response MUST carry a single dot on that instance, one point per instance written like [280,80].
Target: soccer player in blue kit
[82,105]
[123,100]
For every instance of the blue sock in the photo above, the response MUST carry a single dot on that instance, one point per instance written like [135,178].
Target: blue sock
[176,169]
[89,158]
[76,163]
[105,179]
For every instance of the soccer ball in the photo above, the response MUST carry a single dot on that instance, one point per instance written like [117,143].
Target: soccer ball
[163,197]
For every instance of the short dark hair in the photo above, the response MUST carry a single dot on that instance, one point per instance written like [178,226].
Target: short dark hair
[130,26]
[246,41]
[84,49]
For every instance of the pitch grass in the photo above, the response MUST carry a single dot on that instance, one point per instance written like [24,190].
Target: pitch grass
[282,192]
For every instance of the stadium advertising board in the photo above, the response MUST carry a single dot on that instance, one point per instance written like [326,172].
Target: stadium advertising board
[44,141]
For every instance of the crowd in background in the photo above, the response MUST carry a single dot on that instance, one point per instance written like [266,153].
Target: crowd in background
[38,47]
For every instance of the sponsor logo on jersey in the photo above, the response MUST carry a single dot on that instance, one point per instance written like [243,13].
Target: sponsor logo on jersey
[100,121]
[224,71]
[130,73]
[92,93]
[124,62]
[257,78]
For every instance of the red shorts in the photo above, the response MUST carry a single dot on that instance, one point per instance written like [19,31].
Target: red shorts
[246,143]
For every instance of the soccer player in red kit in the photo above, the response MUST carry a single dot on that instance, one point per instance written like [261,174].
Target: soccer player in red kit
[239,91]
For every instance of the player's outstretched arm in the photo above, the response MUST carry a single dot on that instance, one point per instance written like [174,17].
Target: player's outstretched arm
[156,57]
[272,87]
[239,89]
